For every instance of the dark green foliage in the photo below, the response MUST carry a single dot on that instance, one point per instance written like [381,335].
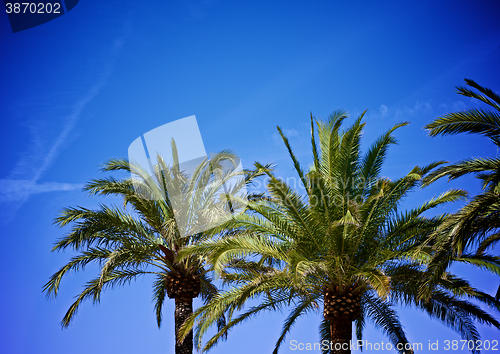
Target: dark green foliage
[475,228]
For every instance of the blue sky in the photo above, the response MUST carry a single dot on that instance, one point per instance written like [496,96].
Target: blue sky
[78,90]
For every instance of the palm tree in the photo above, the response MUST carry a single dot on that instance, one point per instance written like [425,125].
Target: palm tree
[145,238]
[344,244]
[475,228]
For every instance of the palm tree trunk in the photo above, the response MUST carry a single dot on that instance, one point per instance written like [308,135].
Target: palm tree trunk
[341,335]
[183,309]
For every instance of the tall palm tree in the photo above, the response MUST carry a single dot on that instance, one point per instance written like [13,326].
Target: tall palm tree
[475,228]
[344,244]
[143,236]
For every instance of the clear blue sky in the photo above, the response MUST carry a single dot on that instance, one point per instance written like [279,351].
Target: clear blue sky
[78,90]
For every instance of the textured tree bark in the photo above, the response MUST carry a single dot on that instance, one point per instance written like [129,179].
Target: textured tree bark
[341,335]
[183,309]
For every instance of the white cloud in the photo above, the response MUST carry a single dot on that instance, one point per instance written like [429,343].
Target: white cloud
[443,107]
[290,132]
[23,179]
[401,113]
[418,108]
[451,107]
[17,190]
[459,106]
[383,110]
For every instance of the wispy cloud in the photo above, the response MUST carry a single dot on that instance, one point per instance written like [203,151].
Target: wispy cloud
[15,190]
[24,178]
[418,108]
[383,110]
[401,113]
[452,107]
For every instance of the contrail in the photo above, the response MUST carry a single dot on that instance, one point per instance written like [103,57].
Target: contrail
[17,190]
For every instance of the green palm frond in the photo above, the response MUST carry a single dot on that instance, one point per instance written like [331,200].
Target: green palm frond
[325,335]
[94,287]
[143,236]
[375,156]
[343,237]
[385,318]
[159,293]
[299,309]
[475,121]
[462,288]
[454,171]
[488,242]
[228,302]
[489,97]
[296,163]
[484,261]
[458,315]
